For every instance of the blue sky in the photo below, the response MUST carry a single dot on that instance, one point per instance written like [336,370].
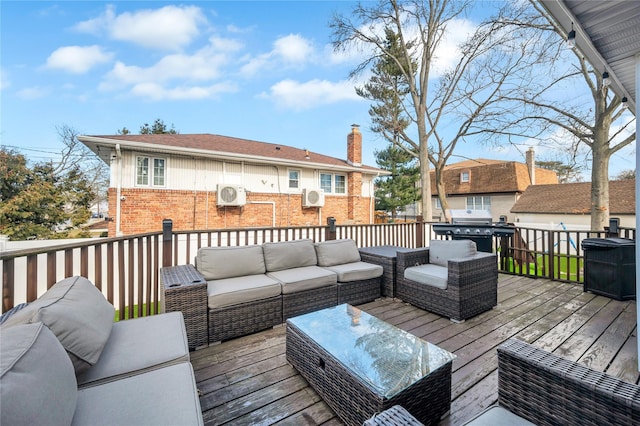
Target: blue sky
[260,70]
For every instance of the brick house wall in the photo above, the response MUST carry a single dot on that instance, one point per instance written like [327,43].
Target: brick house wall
[144,209]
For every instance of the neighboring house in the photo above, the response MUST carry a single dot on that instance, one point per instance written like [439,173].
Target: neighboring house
[569,205]
[206,181]
[493,185]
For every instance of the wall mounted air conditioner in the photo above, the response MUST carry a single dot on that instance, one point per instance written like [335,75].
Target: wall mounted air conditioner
[231,195]
[312,198]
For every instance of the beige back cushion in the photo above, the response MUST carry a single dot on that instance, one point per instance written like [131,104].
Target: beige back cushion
[77,313]
[289,254]
[440,251]
[38,382]
[337,252]
[216,263]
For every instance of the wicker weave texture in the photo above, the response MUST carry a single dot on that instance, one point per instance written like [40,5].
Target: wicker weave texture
[294,304]
[246,318]
[394,416]
[183,289]
[472,286]
[358,292]
[388,284]
[549,390]
[352,400]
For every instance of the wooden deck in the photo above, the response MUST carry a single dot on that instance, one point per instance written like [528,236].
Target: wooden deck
[247,381]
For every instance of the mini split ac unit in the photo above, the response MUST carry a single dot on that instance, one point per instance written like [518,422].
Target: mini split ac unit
[231,195]
[312,198]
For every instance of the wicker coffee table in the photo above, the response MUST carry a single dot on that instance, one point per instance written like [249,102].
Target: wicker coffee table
[361,365]
[384,256]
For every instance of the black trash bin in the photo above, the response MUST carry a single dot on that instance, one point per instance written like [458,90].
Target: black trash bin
[610,267]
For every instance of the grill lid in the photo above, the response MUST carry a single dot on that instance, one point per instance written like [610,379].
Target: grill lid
[459,217]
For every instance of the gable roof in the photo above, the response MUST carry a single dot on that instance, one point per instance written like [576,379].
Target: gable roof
[221,147]
[491,176]
[575,198]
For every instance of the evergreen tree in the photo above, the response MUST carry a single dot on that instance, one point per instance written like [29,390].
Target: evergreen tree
[395,192]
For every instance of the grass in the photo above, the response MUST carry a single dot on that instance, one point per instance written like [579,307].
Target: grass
[540,267]
[154,310]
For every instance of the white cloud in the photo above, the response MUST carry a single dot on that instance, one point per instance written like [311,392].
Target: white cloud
[167,28]
[291,51]
[156,92]
[448,51]
[31,93]
[77,59]
[300,96]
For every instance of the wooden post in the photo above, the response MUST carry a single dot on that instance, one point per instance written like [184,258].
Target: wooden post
[167,234]
[419,231]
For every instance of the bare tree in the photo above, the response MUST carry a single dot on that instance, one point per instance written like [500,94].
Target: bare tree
[596,120]
[459,104]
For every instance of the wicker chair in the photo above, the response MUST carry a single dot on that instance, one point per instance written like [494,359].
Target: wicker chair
[468,287]
[545,389]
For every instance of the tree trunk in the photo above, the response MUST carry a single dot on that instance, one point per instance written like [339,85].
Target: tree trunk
[442,195]
[600,180]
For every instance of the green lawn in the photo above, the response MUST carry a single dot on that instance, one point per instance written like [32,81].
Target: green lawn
[540,268]
[154,310]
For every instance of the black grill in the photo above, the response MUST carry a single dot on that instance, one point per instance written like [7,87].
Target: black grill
[475,225]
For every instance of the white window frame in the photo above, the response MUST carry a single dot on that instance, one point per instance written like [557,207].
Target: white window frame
[151,172]
[332,189]
[479,202]
[297,180]
[438,205]
[465,176]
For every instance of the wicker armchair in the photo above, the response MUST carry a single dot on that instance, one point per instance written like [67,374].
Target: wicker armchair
[471,285]
[545,389]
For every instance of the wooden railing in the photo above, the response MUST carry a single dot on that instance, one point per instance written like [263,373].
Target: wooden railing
[126,269]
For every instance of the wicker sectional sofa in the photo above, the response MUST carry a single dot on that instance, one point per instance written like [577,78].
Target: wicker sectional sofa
[251,288]
[450,278]
[64,361]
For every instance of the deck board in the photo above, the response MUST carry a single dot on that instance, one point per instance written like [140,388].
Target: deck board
[247,381]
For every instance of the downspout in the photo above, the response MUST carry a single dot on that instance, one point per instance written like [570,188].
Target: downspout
[118,191]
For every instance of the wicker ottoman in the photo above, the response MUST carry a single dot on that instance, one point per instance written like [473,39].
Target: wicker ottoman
[394,416]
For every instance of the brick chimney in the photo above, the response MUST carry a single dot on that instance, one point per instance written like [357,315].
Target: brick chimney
[531,164]
[354,146]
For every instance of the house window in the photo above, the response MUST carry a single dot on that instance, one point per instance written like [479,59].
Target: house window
[330,183]
[145,173]
[464,176]
[438,205]
[479,203]
[294,179]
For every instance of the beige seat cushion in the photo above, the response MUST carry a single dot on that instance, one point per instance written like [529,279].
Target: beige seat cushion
[337,252]
[440,251]
[306,278]
[433,275]
[37,380]
[289,254]
[139,345]
[215,263]
[78,314]
[356,271]
[233,291]
[498,416]
[165,396]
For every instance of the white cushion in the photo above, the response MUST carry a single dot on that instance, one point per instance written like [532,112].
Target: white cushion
[433,275]
[165,396]
[156,341]
[37,380]
[356,271]
[78,314]
[337,252]
[233,291]
[440,251]
[215,263]
[289,254]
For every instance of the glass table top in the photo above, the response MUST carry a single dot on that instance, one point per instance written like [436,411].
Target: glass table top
[387,358]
